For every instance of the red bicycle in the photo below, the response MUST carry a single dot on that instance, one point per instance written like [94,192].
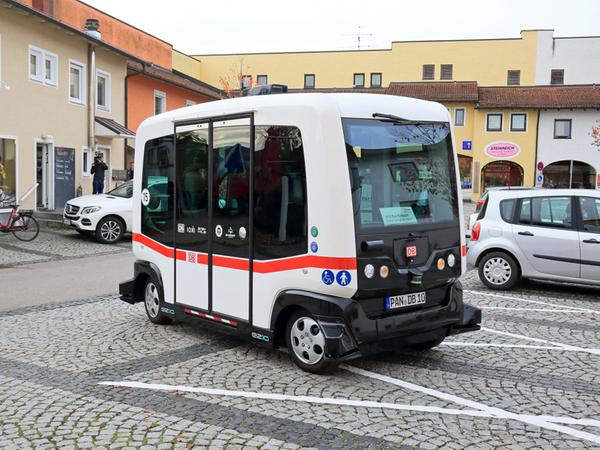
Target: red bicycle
[21,224]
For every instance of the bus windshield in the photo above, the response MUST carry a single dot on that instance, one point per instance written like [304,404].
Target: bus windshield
[401,173]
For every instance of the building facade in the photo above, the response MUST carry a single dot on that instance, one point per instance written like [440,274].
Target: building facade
[54,83]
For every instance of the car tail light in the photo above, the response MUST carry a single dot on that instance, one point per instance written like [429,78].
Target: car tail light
[479,204]
[475,231]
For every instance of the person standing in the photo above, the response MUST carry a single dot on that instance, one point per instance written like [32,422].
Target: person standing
[130,171]
[99,168]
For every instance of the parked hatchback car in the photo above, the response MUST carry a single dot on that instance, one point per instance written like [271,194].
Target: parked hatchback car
[108,216]
[551,234]
[479,204]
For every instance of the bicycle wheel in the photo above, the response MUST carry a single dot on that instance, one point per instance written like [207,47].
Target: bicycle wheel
[28,228]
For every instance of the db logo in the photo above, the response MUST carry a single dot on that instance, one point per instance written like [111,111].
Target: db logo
[192,257]
[411,251]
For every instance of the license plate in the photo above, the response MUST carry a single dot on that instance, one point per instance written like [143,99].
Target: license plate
[404,301]
[66,221]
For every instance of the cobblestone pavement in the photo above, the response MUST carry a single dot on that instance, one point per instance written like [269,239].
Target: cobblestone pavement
[531,379]
[54,244]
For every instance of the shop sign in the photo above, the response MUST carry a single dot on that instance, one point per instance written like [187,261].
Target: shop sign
[502,150]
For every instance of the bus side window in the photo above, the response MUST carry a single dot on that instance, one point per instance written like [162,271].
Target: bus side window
[280,214]
[157,178]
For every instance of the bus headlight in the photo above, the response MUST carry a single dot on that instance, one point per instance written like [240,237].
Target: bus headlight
[369,271]
[451,260]
[384,271]
[441,264]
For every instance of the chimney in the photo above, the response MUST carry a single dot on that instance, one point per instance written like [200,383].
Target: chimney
[45,6]
[91,28]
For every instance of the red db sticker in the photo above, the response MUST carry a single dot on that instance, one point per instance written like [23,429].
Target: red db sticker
[411,251]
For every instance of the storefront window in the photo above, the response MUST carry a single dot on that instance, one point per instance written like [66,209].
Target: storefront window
[8,153]
[569,174]
[502,173]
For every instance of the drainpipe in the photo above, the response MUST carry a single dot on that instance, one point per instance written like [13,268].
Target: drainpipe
[91,97]
[537,138]
[127,78]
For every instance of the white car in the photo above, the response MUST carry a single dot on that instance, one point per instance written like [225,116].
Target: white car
[108,216]
[551,234]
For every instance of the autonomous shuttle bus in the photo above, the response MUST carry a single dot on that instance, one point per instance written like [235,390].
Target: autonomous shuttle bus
[330,224]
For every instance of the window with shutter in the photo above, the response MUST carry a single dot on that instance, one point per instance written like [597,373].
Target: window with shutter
[557,76]
[428,71]
[446,71]
[513,77]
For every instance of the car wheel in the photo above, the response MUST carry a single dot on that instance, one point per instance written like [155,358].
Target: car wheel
[423,346]
[110,230]
[499,270]
[153,301]
[306,343]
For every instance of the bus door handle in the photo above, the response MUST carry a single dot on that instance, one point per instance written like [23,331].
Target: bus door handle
[526,233]
[591,241]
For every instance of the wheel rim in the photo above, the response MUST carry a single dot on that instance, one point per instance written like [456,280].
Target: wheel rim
[308,341]
[152,300]
[497,271]
[110,230]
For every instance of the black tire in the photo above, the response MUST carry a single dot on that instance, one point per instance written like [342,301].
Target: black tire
[153,302]
[32,228]
[110,230]
[499,271]
[424,346]
[315,343]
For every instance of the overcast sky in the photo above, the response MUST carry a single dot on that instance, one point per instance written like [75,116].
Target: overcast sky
[235,26]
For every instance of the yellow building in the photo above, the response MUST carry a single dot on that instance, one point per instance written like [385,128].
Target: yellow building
[487,61]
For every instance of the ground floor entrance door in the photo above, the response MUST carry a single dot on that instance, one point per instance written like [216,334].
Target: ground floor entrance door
[42,166]
[212,216]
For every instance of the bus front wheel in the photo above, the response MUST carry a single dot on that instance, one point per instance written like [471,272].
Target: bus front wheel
[306,343]
[153,301]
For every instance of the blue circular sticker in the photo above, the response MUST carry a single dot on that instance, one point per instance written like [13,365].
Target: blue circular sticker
[327,277]
[314,247]
[343,278]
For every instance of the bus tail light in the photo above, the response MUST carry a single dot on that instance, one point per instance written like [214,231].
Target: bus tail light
[475,231]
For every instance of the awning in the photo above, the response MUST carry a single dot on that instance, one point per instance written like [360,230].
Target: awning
[110,129]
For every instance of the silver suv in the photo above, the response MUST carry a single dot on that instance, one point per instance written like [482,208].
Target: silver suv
[551,234]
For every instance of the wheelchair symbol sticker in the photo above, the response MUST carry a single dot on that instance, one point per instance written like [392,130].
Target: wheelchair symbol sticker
[343,278]
[327,277]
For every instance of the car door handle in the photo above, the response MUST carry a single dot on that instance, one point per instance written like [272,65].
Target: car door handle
[526,233]
[591,241]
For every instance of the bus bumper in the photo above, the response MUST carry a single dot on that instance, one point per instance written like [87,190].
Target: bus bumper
[359,335]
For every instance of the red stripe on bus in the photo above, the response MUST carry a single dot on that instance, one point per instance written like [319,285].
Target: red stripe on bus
[299,262]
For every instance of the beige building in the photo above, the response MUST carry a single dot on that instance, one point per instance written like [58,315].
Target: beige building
[62,97]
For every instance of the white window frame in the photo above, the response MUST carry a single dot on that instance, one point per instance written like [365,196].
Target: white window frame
[163,96]
[464,111]
[41,57]
[102,74]
[39,54]
[82,84]
[88,152]
[190,103]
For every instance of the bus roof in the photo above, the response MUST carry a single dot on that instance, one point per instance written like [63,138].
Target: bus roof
[355,105]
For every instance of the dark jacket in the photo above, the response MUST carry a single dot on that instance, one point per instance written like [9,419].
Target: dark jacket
[98,169]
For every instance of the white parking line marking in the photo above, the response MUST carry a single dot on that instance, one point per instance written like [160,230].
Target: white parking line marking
[337,401]
[531,347]
[520,299]
[495,412]
[593,351]
[503,308]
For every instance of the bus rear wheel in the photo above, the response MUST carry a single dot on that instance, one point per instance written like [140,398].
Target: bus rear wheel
[306,343]
[153,301]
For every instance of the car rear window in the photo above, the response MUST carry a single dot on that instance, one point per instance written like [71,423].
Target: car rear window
[483,209]
[507,209]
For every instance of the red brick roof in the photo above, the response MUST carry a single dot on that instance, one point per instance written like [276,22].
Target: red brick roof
[540,97]
[453,91]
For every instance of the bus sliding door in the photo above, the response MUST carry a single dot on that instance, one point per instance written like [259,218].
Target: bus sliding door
[212,217]
[191,216]
[230,261]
